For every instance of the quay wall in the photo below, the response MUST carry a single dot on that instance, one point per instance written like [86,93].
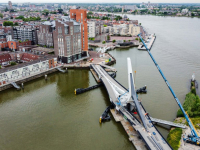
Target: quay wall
[26,72]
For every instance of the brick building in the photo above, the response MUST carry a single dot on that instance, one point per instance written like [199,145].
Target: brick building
[80,15]
[5,59]
[67,40]
[14,44]
[3,45]
[45,34]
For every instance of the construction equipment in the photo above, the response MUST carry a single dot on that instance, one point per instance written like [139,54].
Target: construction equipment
[194,137]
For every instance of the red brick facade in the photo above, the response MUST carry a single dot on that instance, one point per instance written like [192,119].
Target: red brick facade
[80,15]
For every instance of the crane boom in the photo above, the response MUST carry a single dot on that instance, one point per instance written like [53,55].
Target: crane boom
[194,133]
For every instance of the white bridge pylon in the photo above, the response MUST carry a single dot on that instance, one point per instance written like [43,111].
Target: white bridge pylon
[130,73]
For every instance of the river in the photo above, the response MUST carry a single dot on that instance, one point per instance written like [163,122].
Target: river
[46,115]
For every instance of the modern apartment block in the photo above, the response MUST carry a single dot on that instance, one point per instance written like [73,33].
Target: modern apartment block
[67,40]
[45,34]
[24,33]
[80,15]
[134,30]
[91,29]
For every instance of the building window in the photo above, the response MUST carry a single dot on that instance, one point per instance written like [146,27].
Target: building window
[71,30]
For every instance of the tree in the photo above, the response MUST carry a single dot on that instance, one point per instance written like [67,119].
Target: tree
[20,17]
[192,14]
[7,23]
[114,41]
[118,18]
[108,37]
[1,15]
[13,63]
[60,10]
[90,13]
[104,42]
[6,9]
[65,14]
[16,24]
[46,13]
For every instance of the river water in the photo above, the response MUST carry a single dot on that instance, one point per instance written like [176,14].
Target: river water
[46,115]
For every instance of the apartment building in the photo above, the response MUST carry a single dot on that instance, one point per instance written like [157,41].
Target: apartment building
[80,15]
[67,40]
[134,30]
[24,33]
[45,34]
[91,29]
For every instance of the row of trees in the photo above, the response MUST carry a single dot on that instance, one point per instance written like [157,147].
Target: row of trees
[28,19]
[10,23]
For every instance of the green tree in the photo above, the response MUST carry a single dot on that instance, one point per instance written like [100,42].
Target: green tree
[6,9]
[192,14]
[1,15]
[114,41]
[90,13]
[13,63]
[118,18]
[16,24]
[104,42]
[20,17]
[60,10]
[108,37]
[7,23]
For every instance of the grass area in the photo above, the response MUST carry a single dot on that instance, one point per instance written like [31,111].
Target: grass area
[196,122]
[174,138]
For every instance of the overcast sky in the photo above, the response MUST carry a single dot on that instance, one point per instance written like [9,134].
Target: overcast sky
[104,1]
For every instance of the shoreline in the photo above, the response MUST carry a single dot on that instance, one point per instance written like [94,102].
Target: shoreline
[146,14]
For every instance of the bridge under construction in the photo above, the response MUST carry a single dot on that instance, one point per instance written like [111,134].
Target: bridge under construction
[127,104]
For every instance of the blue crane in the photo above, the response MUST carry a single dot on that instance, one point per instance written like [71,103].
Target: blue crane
[194,137]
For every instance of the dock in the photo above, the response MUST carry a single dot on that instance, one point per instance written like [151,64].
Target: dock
[149,43]
[133,135]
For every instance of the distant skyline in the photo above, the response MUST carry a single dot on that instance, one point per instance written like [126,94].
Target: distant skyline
[105,1]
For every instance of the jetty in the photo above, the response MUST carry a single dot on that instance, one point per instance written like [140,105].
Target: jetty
[149,42]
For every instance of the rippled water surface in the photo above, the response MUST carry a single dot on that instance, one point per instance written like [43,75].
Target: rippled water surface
[48,116]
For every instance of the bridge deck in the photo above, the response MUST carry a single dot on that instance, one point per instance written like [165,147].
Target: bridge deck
[168,123]
[152,138]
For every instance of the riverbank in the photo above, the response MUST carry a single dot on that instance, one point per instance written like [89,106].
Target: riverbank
[29,75]
[149,14]
[191,106]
